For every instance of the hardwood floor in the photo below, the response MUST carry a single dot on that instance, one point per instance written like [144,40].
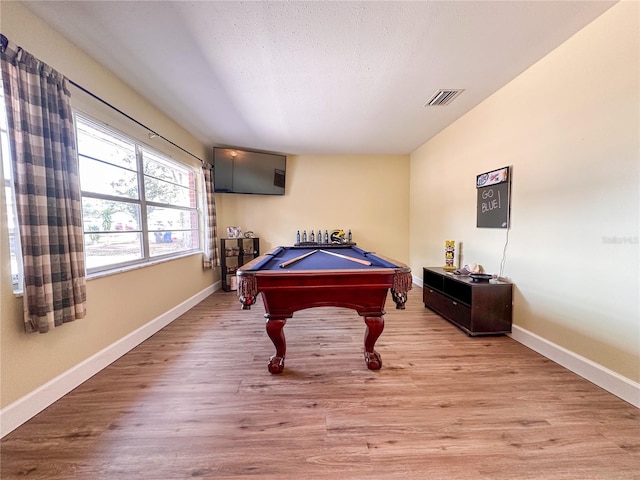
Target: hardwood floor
[196,401]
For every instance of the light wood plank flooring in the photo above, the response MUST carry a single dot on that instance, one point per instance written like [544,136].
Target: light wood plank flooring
[196,401]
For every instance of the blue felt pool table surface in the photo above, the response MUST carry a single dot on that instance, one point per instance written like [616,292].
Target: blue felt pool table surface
[320,260]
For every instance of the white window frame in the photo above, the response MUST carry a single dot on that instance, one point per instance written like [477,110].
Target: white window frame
[15,249]
[142,202]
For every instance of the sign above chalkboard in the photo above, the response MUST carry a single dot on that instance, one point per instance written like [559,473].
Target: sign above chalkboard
[494,189]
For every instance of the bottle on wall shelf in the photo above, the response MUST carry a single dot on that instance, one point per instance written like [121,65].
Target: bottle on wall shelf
[298,237]
[326,236]
[319,237]
[304,236]
[349,237]
[313,236]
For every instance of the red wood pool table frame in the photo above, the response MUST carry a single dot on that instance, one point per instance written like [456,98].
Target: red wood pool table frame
[287,291]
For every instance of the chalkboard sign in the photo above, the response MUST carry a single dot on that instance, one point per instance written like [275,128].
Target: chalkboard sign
[493,198]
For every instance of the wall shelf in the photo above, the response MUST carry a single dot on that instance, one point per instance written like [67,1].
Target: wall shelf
[235,252]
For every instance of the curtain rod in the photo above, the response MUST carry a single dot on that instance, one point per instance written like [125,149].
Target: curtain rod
[133,119]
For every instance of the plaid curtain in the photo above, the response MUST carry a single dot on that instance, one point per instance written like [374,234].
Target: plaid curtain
[47,186]
[211,256]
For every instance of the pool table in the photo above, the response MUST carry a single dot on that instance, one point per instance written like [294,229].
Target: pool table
[294,278]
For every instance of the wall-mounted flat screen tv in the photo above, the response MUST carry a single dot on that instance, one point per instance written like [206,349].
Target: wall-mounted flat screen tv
[244,171]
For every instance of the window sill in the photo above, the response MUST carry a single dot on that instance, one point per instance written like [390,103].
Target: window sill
[116,271]
[128,268]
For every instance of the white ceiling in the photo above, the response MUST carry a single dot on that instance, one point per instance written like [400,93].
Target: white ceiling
[316,77]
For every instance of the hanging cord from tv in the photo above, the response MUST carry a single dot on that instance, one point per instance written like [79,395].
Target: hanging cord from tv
[152,134]
[504,254]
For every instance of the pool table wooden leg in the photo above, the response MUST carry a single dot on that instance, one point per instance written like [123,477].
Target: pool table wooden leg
[375,325]
[275,331]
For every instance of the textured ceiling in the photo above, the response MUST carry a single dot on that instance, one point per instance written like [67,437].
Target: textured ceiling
[341,77]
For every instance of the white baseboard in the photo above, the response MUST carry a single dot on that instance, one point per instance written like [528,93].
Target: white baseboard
[612,382]
[18,412]
[15,414]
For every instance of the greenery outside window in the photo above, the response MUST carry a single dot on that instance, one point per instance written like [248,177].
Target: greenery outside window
[138,204]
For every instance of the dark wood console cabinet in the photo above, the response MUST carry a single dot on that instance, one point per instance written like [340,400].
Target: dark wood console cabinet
[477,308]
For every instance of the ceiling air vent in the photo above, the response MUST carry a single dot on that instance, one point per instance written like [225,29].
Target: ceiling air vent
[443,97]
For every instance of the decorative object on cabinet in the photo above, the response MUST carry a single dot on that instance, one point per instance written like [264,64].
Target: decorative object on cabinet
[449,255]
[237,252]
[234,232]
[477,308]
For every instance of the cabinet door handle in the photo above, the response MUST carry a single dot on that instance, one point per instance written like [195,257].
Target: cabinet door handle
[455,303]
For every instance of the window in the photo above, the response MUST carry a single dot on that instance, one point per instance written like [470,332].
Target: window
[138,205]
[9,195]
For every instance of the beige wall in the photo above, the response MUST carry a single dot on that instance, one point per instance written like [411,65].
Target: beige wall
[570,127]
[118,304]
[367,194]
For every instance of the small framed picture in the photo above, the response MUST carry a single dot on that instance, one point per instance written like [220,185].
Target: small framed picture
[234,232]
